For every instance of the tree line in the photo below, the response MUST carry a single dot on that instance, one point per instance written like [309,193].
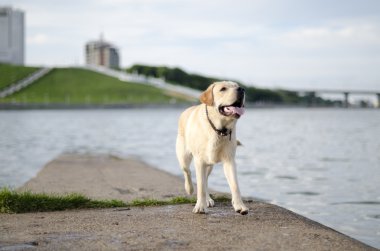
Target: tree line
[178,76]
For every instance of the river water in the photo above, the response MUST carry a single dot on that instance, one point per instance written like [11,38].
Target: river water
[321,163]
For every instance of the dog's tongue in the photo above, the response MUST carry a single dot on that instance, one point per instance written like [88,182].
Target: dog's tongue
[230,110]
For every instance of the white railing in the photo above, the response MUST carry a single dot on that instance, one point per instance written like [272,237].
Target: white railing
[142,79]
[24,82]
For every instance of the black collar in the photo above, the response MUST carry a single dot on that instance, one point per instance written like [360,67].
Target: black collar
[221,132]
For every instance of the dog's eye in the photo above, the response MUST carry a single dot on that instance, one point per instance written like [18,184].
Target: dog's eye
[223,89]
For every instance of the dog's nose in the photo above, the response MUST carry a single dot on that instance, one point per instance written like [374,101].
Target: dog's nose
[241,90]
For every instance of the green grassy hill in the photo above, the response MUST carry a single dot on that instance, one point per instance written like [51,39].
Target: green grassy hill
[80,86]
[13,73]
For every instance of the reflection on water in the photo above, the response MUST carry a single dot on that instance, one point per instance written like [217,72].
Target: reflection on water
[307,193]
[358,202]
[287,177]
[322,163]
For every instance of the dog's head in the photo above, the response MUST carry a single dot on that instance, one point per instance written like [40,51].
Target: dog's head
[228,97]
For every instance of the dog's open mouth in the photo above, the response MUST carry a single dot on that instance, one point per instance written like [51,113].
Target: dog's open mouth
[236,109]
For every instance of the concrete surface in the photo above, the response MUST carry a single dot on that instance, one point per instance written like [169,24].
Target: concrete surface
[105,177]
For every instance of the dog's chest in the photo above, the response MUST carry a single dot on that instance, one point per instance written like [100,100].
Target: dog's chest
[216,149]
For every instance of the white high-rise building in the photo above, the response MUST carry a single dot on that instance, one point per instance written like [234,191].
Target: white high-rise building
[12,40]
[102,53]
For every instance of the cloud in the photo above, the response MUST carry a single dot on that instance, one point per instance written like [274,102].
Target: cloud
[37,39]
[334,34]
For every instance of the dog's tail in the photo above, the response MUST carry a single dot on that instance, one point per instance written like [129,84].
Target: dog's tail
[184,159]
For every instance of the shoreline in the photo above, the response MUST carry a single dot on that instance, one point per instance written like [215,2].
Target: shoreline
[266,226]
[62,106]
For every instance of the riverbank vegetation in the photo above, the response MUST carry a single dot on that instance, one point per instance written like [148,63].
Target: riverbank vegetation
[77,86]
[253,94]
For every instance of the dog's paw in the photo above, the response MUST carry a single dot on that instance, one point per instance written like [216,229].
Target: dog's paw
[199,208]
[240,207]
[210,202]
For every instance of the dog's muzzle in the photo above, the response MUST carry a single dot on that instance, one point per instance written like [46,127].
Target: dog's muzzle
[237,108]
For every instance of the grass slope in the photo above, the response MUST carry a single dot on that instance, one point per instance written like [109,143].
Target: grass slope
[10,74]
[25,202]
[80,86]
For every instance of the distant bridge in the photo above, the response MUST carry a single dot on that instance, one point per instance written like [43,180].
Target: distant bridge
[345,93]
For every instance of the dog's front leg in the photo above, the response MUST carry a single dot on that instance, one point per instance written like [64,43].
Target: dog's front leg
[230,172]
[200,171]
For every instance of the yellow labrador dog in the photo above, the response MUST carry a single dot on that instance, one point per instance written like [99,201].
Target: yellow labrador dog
[207,133]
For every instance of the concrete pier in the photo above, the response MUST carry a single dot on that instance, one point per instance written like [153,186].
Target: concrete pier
[174,227]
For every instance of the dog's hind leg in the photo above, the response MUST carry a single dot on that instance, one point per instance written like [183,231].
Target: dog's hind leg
[184,159]
[209,201]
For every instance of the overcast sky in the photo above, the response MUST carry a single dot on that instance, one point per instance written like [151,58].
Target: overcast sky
[268,43]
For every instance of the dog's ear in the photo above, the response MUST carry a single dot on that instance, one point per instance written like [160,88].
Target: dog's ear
[207,97]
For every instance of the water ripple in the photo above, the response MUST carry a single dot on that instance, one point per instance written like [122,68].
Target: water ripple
[368,202]
[307,193]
